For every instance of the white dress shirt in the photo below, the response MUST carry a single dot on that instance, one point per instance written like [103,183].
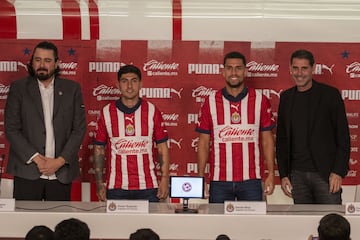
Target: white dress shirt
[47,98]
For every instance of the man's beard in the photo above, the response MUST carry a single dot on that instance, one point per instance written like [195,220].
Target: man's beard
[237,85]
[44,74]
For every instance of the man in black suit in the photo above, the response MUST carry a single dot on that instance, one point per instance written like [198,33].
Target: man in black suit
[45,126]
[312,140]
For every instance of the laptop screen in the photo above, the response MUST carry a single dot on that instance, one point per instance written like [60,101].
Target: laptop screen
[186,187]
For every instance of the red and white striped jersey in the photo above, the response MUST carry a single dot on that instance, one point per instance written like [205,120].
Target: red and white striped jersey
[130,136]
[234,126]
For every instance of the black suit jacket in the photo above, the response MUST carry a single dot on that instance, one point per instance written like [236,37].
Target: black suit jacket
[329,139]
[25,127]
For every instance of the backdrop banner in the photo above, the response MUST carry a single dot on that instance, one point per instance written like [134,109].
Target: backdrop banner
[177,76]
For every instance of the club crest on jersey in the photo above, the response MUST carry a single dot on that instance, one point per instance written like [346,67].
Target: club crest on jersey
[130,130]
[235,117]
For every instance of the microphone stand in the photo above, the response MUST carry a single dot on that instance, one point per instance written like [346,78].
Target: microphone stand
[185,208]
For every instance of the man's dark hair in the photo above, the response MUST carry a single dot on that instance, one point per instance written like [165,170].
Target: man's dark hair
[72,229]
[303,54]
[129,69]
[144,234]
[334,227]
[40,232]
[48,46]
[222,237]
[235,55]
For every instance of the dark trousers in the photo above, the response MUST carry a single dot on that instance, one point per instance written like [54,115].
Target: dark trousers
[249,190]
[146,194]
[311,188]
[41,189]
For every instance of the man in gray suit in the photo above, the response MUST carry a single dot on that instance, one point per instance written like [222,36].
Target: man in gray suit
[45,126]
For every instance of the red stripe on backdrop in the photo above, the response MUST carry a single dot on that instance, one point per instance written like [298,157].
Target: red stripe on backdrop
[177,20]
[93,196]
[76,191]
[174,200]
[94,20]
[7,20]
[71,19]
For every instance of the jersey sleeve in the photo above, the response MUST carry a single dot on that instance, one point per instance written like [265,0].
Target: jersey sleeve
[160,132]
[101,135]
[204,124]
[267,121]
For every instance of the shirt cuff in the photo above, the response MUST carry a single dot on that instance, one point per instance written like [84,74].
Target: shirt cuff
[32,157]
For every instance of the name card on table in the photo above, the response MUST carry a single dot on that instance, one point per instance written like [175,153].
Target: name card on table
[352,208]
[7,204]
[245,207]
[127,206]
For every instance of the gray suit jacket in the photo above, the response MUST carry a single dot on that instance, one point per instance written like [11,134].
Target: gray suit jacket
[25,127]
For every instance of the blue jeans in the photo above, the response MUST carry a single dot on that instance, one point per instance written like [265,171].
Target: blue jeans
[310,188]
[249,190]
[120,194]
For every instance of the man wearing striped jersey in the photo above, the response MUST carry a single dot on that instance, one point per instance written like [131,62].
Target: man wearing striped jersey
[233,123]
[127,131]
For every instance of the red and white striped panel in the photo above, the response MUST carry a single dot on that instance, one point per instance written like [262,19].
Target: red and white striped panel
[90,19]
[266,20]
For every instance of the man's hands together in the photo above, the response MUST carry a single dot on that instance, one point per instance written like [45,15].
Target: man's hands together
[48,166]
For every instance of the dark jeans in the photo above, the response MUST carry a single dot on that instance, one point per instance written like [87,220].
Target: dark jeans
[249,190]
[310,188]
[146,194]
[41,189]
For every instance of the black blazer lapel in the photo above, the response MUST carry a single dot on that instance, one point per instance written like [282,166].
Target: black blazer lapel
[58,95]
[34,92]
[315,98]
[289,113]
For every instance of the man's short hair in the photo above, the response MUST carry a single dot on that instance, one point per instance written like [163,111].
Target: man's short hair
[144,234]
[334,227]
[129,69]
[303,54]
[235,55]
[72,229]
[40,232]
